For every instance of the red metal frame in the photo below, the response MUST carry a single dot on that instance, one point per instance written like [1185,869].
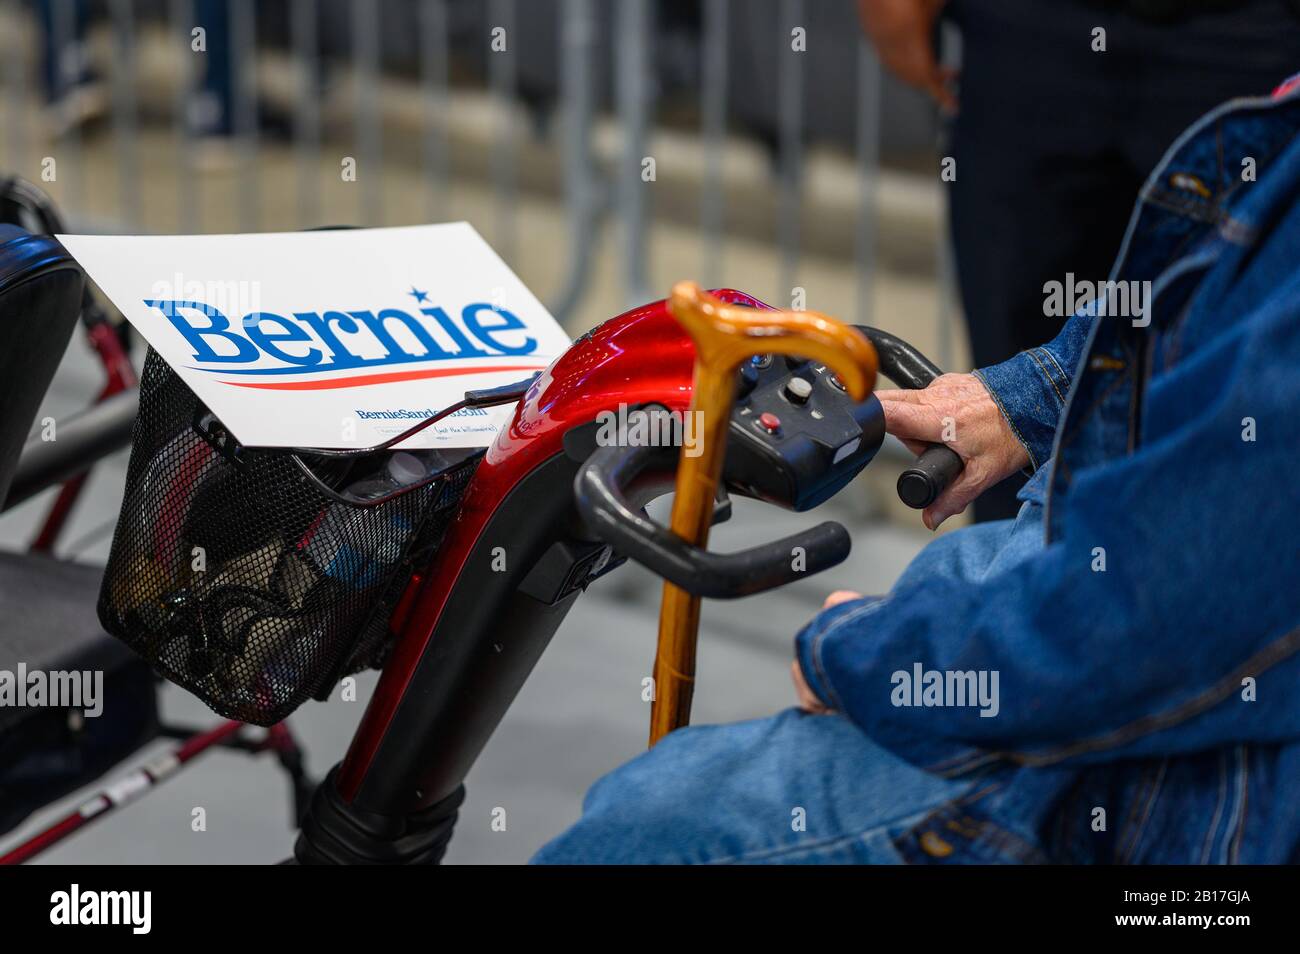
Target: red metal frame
[278,739]
[121,792]
[640,357]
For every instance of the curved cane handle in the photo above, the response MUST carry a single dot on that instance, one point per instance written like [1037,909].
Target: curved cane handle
[725,335]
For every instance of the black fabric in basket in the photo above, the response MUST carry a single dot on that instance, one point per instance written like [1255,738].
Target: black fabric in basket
[240,579]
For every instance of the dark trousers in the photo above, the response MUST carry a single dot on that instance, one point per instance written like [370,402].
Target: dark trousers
[1053,142]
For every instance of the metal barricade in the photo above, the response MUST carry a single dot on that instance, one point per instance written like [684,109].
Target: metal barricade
[589,185]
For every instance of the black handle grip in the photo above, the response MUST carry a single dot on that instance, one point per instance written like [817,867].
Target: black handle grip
[922,483]
[599,491]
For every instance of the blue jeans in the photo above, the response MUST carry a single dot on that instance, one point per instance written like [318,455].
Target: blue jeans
[790,789]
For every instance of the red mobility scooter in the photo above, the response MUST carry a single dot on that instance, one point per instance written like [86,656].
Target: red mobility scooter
[449,572]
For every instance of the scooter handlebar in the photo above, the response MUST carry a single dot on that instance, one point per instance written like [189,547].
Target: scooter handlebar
[922,483]
[600,494]
[601,485]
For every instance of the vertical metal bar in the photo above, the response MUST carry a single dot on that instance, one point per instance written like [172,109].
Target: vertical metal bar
[187,206]
[365,50]
[433,80]
[868,147]
[502,77]
[713,110]
[243,91]
[15,71]
[577,48]
[634,25]
[124,113]
[68,68]
[306,120]
[790,159]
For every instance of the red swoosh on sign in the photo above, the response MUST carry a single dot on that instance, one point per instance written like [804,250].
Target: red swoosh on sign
[386,378]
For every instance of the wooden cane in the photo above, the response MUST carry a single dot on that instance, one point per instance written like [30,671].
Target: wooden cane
[724,336]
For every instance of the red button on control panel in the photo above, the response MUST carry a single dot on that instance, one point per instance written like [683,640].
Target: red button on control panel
[771,423]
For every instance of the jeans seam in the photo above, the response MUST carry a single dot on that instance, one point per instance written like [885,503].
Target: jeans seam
[1208,847]
[906,821]
[1121,842]
[1138,824]
[1234,843]
[822,678]
[965,761]
[1281,648]
[1065,378]
[984,792]
[1033,354]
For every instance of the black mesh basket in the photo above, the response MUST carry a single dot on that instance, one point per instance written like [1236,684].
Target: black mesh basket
[245,575]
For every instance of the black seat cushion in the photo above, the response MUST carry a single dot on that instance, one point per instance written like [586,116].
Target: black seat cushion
[48,622]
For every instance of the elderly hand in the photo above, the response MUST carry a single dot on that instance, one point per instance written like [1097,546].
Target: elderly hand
[957,410]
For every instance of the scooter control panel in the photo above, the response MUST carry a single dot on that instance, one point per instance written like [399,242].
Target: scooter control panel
[796,435]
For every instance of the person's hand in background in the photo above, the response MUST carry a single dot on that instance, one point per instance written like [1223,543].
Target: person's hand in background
[957,410]
[902,32]
[807,699]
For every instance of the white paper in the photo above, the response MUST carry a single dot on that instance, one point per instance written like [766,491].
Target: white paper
[355,335]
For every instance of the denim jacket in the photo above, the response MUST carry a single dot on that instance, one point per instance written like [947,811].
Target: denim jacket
[1148,645]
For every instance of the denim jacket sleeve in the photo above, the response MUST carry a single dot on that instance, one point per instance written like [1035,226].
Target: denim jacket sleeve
[1152,651]
[1030,388]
